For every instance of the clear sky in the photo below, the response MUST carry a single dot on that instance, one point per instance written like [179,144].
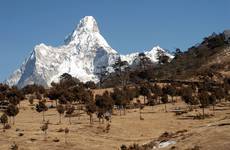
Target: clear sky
[127,25]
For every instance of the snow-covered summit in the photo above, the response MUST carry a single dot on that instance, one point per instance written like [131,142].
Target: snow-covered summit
[84,52]
[86,25]
[152,54]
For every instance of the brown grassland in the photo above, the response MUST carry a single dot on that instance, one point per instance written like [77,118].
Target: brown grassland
[211,133]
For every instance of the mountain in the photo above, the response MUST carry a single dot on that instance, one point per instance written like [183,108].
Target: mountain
[152,54]
[84,52]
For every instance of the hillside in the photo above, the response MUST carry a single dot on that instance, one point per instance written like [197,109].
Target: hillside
[211,57]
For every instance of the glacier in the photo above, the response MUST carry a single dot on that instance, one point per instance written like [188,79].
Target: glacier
[82,55]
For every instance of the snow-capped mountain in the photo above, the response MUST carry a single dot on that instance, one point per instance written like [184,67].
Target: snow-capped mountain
[152,54]
[84,52]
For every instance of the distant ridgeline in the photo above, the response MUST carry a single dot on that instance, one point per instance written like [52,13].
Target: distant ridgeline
[208,59]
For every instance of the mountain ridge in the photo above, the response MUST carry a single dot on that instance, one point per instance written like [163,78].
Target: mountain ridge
[84,52]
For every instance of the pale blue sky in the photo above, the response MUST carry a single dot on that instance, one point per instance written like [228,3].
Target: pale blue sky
[127,25]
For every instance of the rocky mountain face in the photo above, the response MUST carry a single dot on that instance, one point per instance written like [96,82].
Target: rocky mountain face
[84,52]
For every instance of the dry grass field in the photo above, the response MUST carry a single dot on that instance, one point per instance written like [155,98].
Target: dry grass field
[209,134]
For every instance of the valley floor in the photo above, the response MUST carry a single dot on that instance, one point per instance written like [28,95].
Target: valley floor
[209,134]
